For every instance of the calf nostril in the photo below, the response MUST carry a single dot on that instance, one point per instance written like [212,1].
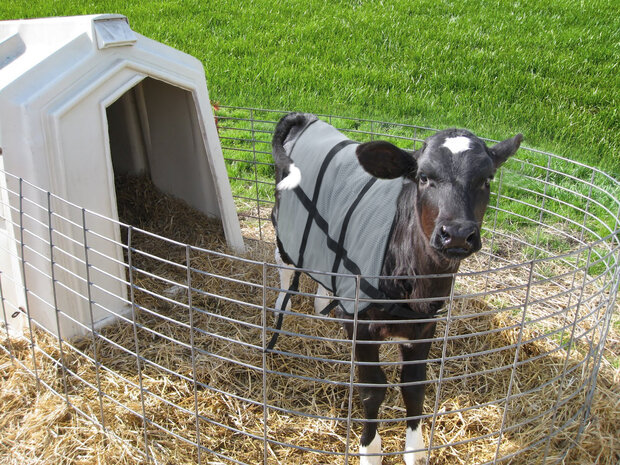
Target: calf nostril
[471,238]
[444,234]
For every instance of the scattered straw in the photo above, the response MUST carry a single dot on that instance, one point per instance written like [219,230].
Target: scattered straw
[37,426]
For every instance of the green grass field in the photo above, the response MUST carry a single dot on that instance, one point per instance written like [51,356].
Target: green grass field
[546,68]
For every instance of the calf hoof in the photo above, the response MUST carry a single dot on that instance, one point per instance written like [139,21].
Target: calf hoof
[366,453]
[415,453]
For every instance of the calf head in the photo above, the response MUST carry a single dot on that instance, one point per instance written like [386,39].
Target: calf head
[448,181]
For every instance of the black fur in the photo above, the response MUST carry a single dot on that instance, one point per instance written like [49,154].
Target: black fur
[384,160]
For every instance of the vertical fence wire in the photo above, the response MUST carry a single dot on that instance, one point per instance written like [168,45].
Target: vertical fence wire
[494,229]
[571,343]
[572,287]
[608,282]
[611,303]
[352,366]
[93,333]
[134,320]
[55,298]
[444,351]
[587,209]
[258,206]
[190,307]
[264,363]
[542,207]
[25,284]
[514,363]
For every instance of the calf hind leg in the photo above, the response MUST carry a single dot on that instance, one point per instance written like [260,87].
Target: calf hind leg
[286,276]
[322,299]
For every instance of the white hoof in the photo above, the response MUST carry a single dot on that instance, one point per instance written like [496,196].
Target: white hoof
[415,442]
[367,457]
[322,299]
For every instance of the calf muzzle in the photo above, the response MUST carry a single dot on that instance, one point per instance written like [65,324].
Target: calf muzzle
[457,239]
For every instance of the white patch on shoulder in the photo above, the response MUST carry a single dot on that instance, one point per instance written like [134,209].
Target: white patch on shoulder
[366,457]
[292,180]
[414,442]
[457,144]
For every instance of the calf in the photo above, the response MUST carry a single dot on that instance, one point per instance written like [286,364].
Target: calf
[378,212]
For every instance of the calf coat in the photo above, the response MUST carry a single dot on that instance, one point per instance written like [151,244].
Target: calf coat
[331,210]
[419,215]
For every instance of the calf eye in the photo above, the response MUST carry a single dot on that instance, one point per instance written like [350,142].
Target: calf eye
[487,182]
[423,178]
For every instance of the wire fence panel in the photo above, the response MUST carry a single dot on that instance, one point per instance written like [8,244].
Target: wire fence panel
[171,355]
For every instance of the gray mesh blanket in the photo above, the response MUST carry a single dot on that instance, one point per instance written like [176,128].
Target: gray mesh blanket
[339,218]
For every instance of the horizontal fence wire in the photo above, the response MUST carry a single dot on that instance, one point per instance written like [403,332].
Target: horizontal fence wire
[160,341]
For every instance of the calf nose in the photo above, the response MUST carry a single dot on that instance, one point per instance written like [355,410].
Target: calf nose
[461,238]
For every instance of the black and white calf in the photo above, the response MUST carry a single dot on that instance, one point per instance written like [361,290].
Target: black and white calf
[374,210]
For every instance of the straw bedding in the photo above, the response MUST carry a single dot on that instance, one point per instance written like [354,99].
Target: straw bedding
[38,427]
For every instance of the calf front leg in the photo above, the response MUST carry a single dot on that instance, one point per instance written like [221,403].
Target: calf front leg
[368,373]
[372,397]
[413,396]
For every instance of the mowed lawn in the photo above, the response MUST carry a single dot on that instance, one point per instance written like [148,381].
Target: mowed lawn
[546,68]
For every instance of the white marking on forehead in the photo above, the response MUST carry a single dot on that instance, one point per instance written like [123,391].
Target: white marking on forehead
[457,144]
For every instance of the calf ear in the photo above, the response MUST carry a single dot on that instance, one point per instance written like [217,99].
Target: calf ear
[384,160]
[505,149]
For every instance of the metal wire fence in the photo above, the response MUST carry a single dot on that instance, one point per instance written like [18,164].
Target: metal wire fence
[169,346]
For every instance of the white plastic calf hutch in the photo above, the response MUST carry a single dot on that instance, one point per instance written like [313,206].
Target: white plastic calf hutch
[83,99]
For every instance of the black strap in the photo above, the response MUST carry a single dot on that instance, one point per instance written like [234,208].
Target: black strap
[304,238]
[349,264]
[395,309]
[340,251]
[400,310]
[315,197]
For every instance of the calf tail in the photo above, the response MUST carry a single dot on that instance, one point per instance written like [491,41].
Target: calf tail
[288,176]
